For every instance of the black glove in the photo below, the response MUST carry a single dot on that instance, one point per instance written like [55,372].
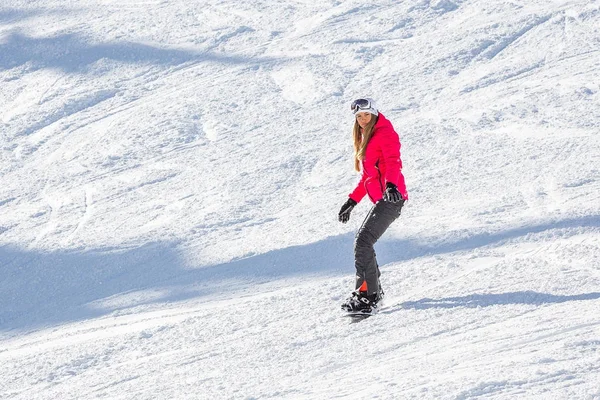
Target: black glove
[391,193]
[344,214]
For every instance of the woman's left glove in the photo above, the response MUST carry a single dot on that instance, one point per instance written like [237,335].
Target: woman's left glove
[344,215]
[391,193]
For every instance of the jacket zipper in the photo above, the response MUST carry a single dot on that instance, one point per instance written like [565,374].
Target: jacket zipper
[378,180]
[379,176]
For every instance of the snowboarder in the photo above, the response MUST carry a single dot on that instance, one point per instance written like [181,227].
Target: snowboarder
[377,157]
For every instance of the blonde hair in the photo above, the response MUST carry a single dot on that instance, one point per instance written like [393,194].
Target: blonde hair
[361,139]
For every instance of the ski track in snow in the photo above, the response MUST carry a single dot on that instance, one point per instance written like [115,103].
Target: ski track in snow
[171,174]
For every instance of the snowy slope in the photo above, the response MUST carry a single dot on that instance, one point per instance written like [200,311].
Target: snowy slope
[171,173]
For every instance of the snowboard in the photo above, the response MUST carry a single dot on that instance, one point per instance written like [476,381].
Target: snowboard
[358,316]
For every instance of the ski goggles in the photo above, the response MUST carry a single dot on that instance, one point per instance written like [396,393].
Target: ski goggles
[360,104]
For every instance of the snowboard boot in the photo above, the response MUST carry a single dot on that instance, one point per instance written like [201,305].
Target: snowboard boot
[361,303]
[381,293]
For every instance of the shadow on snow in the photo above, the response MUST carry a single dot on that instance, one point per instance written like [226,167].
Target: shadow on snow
[47,288]
[71,53]
[396,251]
[487,300]
[41,289]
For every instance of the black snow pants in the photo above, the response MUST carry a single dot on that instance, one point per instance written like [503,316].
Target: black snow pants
[375,224]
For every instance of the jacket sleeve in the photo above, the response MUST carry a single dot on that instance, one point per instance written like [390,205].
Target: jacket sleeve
[390,149]
[359,191]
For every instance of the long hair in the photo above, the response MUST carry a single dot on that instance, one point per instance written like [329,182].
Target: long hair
[361,139]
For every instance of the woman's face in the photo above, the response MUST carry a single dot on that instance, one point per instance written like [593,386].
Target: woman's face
[363,118]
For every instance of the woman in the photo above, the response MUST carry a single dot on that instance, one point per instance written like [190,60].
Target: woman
[377,156]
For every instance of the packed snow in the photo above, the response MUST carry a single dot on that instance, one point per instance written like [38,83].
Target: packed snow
[171,174]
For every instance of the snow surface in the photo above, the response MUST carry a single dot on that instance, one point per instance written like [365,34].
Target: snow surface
[171,173]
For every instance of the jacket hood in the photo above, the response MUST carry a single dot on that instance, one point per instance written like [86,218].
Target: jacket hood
[382,122]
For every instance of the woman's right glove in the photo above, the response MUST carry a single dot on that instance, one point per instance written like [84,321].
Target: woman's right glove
[344,214]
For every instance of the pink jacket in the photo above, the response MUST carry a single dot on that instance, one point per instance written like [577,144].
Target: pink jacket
[382,164]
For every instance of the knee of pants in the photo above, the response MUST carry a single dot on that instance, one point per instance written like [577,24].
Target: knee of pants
[364,239]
